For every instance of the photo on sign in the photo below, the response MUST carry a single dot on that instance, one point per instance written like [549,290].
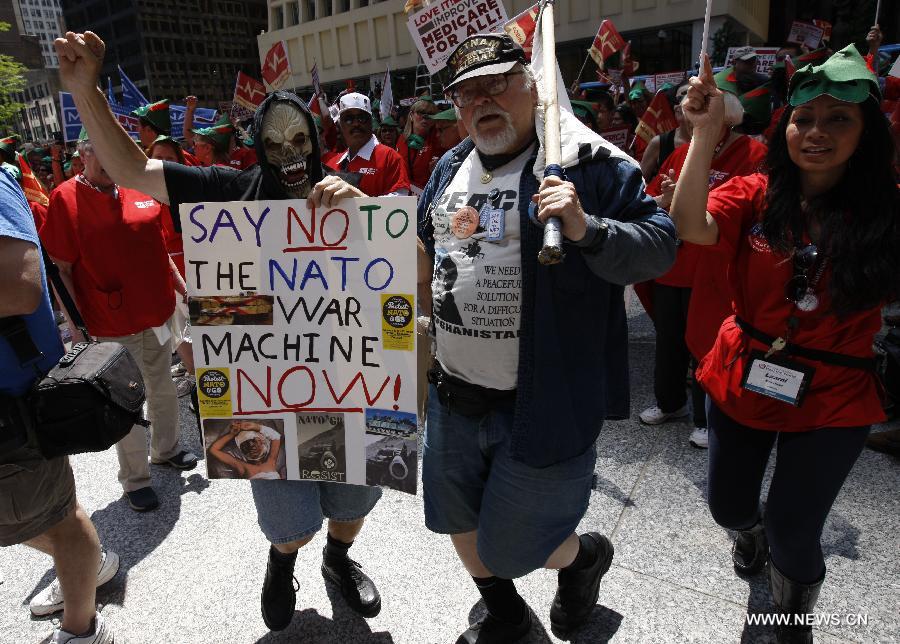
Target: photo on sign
[223,310]
[392,461]
[244,448]
[321,449]
[388,422]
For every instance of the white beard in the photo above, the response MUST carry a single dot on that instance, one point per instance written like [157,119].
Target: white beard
[498,143]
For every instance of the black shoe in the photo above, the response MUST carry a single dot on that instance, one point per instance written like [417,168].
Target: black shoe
[577,592]
[143,499]
[750,550]
[357,589]
[279,593]
[490,630]
[183,460]
[793,598]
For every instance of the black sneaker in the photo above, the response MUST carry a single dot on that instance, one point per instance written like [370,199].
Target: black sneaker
[490,630]
[143,499]
[750,550]
[577,590]
[357,589]
[183,460]
[279,593]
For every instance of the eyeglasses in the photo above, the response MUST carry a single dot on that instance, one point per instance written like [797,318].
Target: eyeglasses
[362,117]
[490,85]
[803,259]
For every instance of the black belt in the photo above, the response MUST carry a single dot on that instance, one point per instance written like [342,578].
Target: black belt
[819,355]
[464,397]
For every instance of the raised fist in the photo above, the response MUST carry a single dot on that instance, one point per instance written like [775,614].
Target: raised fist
[80,60]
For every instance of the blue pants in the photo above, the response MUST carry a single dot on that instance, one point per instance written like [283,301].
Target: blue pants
[810,469]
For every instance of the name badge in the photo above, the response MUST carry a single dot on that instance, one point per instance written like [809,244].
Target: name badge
[777,378]
[494,223]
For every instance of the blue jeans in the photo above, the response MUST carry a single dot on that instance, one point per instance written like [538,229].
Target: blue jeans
[471,482]
[292,510]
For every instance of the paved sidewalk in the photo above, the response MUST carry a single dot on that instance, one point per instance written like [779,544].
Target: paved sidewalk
[192,571]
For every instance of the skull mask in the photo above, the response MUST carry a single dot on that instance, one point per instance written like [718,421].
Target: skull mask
[286,138]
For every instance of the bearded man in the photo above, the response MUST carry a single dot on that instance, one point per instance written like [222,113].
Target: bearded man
[289,512]
[521,386]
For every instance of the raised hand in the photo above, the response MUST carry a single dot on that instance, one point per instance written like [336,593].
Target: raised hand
[80,60]
[704,104]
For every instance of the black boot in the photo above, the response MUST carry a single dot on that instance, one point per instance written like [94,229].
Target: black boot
[357,589]
[750,550]
[279,593]
[490,630]
[579,585]
[795,600]
[508,618]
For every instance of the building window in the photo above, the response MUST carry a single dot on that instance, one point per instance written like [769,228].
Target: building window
[277,18]
[310,7]
[293,13]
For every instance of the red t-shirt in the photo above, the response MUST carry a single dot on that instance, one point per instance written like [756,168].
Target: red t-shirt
[242,158]
[174,242]
[120,269]
[382,173]
[39,212]
[744,156]
[419,161]
[191,160]
[837,396]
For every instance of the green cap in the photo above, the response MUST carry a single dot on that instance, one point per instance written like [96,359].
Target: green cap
[586,107]
[67,166]
[446,115]
[157,115]
[844,76]
[10,143]
[220,132]
[389,122]
[13,170]
[638,91]
[758,104]
[726,80]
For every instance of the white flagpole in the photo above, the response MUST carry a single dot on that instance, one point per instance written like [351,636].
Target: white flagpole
[705,40]
[552,251]
[877,11]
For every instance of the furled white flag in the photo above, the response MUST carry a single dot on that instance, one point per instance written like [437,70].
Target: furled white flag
[387,96]
[577,141]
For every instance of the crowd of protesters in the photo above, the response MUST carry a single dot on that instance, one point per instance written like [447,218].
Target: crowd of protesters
[791,268]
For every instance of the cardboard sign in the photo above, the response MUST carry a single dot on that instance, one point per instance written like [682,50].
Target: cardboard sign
[804,33]
[618,136]
[303,324]
[765,58]
[438,28]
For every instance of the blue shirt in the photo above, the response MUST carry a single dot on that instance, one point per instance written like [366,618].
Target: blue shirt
[16,221]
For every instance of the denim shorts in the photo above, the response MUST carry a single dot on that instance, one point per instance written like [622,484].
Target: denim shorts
[292,510]
[471,482]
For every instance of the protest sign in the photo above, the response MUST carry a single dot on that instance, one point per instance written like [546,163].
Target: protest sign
[618,136]
[521,29]
[303,323]
[438,28]
[765,58]
[276,67]
[804,33]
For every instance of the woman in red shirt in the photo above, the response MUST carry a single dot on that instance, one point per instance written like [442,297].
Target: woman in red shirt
[812,255]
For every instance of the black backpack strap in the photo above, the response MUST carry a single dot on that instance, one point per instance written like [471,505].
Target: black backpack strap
[15,331]
[53,273]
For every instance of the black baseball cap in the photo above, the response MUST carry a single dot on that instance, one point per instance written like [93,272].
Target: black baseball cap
[483,54]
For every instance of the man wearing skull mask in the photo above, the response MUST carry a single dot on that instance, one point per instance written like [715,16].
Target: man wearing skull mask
[289,512]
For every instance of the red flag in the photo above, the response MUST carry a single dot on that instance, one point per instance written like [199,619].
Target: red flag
[789,67]
[657,119]
[313,105]
[629,65]
[248,92]
[607,42]
[34,190]
[521,28]
[277,68]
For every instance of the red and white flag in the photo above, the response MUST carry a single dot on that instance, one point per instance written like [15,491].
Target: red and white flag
[314,72]
[658,118]
[521,29]
[248,92]
[276,68]
[607,42]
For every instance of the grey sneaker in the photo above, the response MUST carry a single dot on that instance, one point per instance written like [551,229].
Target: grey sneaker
[700,438]
[656,416]
[50,600]
[102,634]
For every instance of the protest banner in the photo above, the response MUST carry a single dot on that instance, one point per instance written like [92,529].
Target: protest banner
[438,28]
[303,323]
[618,136]
[804,33]
[276,67]
[765,58]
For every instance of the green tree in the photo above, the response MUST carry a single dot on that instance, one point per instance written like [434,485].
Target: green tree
[12,80]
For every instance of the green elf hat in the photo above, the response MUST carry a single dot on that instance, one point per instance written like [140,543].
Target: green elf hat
[844,76]
[584,108]
[446,115]
[157,115]
[390,122]
[726,80]
[638,91]
[13,170]
[162,138]
[220,132]
[67,166]
[758,104]
[9,144]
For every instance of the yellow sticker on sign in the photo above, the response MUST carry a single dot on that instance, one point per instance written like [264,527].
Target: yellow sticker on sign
[398,322]
[214,392]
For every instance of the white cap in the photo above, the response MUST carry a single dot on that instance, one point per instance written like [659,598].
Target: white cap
[354,101]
